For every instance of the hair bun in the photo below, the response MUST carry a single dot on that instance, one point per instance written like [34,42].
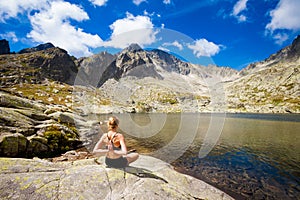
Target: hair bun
[113,122]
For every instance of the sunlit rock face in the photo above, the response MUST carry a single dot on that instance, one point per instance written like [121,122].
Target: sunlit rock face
[147,178]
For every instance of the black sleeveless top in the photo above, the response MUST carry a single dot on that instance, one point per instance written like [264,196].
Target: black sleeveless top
[111,140]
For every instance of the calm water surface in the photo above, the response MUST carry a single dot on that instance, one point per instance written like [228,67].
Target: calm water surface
[256,156]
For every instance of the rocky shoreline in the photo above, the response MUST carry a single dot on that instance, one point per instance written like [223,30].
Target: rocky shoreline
[25,133]
[90,179]
[29,128]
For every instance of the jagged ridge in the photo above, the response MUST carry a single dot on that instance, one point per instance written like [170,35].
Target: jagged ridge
[272,83]
[36,66]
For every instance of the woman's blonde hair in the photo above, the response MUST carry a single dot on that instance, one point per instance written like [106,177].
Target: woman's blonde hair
[112,123]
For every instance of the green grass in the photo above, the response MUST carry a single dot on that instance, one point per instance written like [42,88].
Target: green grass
[44,92]
[58,140]
[276,100]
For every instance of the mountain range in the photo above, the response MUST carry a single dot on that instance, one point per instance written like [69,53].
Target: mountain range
[138,80]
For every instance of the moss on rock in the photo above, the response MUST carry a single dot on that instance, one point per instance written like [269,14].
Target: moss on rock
[13,145]
[147,178]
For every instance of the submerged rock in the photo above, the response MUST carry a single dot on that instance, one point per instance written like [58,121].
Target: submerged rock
[147,178]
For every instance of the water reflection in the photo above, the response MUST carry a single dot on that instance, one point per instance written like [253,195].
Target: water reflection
[256,157]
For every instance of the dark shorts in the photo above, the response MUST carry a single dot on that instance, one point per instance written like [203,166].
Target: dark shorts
[116,163]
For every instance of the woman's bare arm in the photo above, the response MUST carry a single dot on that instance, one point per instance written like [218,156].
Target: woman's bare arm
[98,149]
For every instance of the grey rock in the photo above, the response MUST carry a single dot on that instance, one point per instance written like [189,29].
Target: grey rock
[91,69]
[37,146]
[26,131]
[148,178]
[13,101]
[13,121]
[13,145]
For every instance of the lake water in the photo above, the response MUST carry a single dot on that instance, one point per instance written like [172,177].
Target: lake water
[249,156]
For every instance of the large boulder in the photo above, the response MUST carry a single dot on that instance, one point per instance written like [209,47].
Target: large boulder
[147,178]
[12,145]
[26,130]
[12,101]
[21,138]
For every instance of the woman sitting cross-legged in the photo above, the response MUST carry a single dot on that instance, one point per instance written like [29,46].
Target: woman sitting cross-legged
[112,144]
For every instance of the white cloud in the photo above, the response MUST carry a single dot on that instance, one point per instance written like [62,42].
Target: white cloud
[146,13]
[52,25]
[10,36]
[130,23]
[202,47]
[280,38]
[132,29]
[163,49]
[239,7]
[167,1]
[138,2]
[175,44]
[15,7]
[50,22]
[242,18]
[285,16]
[98,2]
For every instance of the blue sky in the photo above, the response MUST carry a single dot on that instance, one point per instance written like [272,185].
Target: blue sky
[230,33]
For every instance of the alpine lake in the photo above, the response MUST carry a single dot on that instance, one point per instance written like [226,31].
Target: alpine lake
[249,156]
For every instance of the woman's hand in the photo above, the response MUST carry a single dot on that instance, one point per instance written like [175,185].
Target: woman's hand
[110,147]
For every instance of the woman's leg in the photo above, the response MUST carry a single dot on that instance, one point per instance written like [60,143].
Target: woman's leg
[132,157]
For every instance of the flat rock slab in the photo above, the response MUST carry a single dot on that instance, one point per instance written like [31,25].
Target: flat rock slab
[147,178]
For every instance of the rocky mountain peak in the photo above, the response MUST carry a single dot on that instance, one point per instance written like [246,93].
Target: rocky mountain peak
[34,67]
[288,54]
[134,61]
[37,48]
[294,50]
[92,68]
[164,56]
[133,47]
[129,59]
